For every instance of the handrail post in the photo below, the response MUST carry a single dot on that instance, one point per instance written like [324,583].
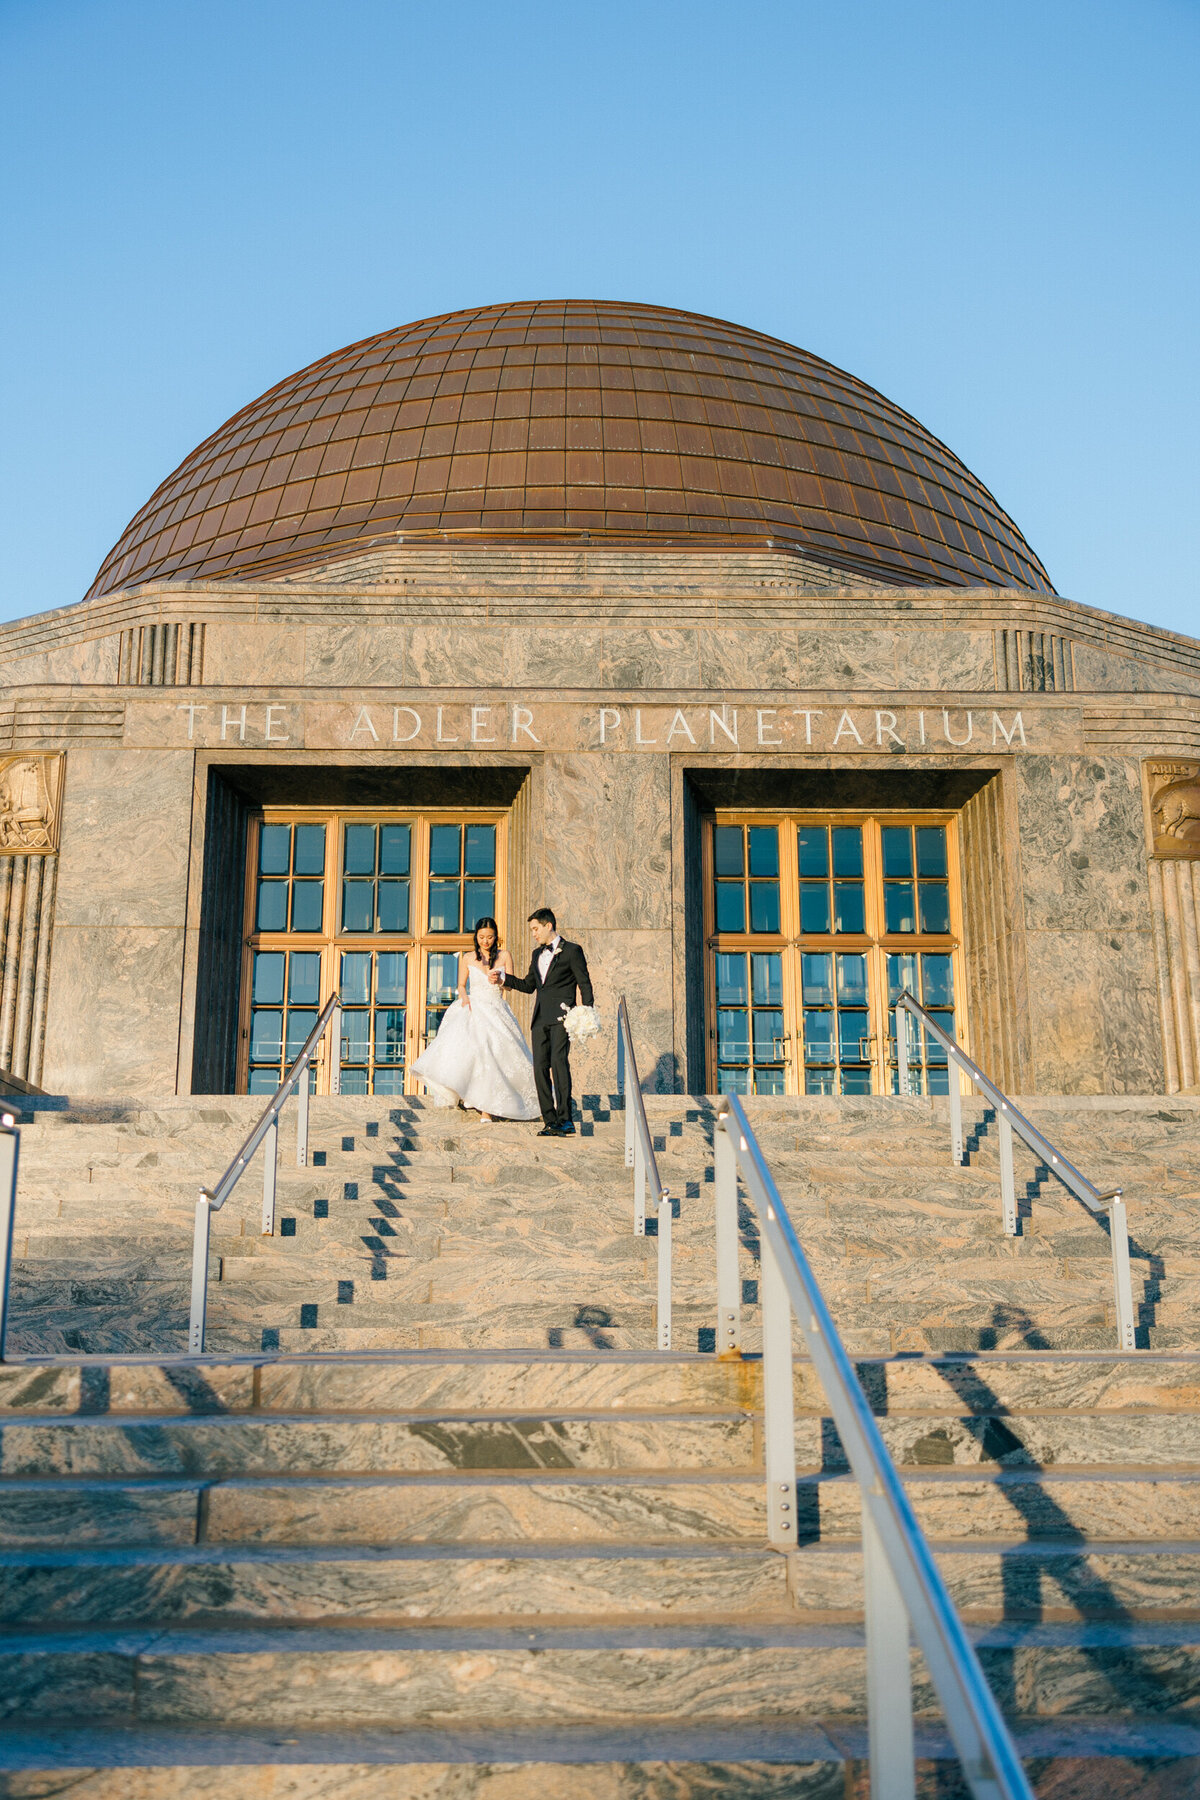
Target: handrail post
[10,1146]
[729,1286]
[302,1119]
[1008,1184]
[889,1674]
[270,1169]
[1122,1284]
[902,1052]
[639,1190]
[199,1309]
[335,1050]
[954,1091]
[664,1271]
[779,1407]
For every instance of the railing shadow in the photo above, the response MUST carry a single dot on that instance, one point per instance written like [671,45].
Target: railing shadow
[1135,1680]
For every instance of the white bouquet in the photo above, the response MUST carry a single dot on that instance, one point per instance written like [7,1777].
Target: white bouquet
[581,1023]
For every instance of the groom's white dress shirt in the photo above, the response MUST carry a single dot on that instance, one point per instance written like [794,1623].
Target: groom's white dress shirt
[547,956]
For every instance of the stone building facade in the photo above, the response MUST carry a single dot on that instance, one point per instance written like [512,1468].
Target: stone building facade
[766,769]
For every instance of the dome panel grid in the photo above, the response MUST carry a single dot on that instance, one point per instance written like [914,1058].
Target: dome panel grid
[632,423]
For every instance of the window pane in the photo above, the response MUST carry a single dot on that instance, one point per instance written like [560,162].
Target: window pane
[299,1024]
[391,977]
[443,906]
[931,850]
[262,1081]
[393,906]
[847,850]
[356,1035]
[733,1081]
[481,850]
[816,973]
[935,905]
[764,850]
[897,850]
[898,906]
[731,906]
[310,850]
[813,844]
[354,1081]
[818,1036]
[395,848]
[856,1081]
[768,1081]
[389,1035]
[731,979]
[308,904]
[274,849]
[768,1037]
[389,1081]
[479,902]
[764,906]
[767,973]
[358,905]
[814,906]
[733,1042]
[937,980]
[848,906]
[272,906]
[304,978]
[268,978]
[355,987]
[852,980]
[442,977]
[266,1038]
[727,849]
[445,849]
[818,1081]
[902,977]
[853,1028]
[360,849]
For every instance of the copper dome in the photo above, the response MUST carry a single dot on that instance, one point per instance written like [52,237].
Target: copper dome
[559,418]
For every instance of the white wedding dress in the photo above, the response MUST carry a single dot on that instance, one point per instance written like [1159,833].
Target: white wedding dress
[480,1056]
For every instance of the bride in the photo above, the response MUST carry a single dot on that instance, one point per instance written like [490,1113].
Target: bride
[479,1056]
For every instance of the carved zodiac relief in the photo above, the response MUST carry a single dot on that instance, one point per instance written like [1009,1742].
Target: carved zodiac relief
[29,796]
[1175,808]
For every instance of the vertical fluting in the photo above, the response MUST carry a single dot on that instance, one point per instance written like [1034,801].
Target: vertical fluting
[13,918]
[41,973]
[31,914]
[1175,910]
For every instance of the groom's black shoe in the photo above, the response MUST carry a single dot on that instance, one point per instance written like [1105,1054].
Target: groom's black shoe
[566,1129]
[548,1131]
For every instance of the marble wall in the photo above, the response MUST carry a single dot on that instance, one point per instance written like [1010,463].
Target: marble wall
[1093,1001]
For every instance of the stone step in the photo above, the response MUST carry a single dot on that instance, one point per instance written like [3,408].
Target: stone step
[335,1443]
[564,1506]
[582,1674]
[987,1581]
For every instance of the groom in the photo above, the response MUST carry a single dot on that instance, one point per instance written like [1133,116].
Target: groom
[556,970]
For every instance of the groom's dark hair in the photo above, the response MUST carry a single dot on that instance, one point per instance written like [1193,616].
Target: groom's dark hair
[543,916]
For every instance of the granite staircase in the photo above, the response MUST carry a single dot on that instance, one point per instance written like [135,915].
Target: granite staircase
[485,1540]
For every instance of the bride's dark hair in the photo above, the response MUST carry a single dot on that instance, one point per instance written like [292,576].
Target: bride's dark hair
[494,952]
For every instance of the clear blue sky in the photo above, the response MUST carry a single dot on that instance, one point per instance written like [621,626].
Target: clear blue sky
[988,211]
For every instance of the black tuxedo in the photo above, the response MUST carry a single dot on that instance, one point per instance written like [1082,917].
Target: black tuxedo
[566,977]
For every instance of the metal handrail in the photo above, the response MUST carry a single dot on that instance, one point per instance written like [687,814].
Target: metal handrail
[10,1150]
[640,1157]
[1012,1119]
[266,1131]
[903,1586]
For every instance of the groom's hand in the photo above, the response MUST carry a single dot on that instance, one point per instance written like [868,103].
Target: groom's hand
[496,977]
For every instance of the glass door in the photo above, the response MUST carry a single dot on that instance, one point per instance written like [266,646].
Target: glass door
[380,907]
[815,925]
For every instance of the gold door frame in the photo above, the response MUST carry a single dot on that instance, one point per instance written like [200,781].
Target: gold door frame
[876,943]
[331,940]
